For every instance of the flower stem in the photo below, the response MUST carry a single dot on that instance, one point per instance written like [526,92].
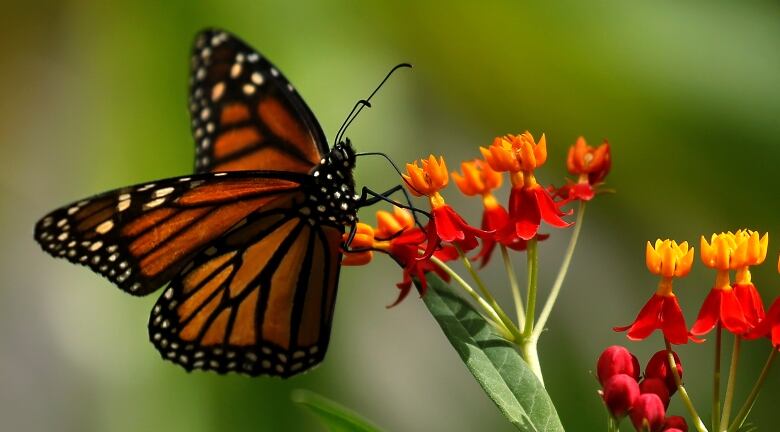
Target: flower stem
[533,270]
[748,405]
[503,317]
[716,380]
[683,393]
[482,303]
[732,383]
[510,272]
[556,288]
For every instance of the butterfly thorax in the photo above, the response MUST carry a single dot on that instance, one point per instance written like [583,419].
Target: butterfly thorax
[331,198]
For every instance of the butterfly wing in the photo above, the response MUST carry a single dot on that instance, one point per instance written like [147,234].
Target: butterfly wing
[140,237]
[259,301]
[245,114]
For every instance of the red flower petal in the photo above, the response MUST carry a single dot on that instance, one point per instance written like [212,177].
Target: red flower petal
[752,305]
[674,327]
[646,321]
[549,210]
[708,314]
[731,313]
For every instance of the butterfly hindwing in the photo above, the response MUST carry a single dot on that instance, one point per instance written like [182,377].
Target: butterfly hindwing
[139,237]
[258,301]
[245,114]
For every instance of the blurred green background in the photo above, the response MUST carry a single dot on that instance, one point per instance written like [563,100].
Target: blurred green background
[94,97]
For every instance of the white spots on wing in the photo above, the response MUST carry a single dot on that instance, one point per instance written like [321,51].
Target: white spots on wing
[123,205]
[95,246]
[204,144]
[124,197]
[154,203]
[235,70]
[145,187]
[274,72]
[163,192]
[73,209]
[185,179]
[253,58]
[204,114]
[257,78]
[220,174]
[200,74]
[62,236]
[104,227]
[248,89]
[168,293]
[217,91]
[205,53]
[210,127]
[290,87]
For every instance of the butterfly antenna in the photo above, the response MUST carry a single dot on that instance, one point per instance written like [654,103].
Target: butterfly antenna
[365,102]
[347,121]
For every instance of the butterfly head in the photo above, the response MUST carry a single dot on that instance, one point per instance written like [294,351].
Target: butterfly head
[343,154]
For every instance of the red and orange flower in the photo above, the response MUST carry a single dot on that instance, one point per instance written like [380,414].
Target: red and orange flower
[529,202]
[445,224]
[591,165]
[480,179]
[662,312]
[724,252]
[397,236]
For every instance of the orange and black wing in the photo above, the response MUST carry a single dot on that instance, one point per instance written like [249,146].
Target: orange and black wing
[245,114]
[140,237]
[259,301]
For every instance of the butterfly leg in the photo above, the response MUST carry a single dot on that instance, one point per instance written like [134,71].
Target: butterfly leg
[368,197]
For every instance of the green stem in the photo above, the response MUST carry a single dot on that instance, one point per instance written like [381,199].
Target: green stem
[681,389]
[751,400]
[503,317]
[531,357]
[533,270]
[482,303]
[510,272]
[716,380]
[732,383]
[556,288]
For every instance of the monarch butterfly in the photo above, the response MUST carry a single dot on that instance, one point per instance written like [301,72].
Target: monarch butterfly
[250,244]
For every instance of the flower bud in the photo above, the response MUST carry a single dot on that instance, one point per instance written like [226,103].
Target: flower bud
[648,410]
[620,393]
[656,386]
[658,367]
[617,360]
[675,423]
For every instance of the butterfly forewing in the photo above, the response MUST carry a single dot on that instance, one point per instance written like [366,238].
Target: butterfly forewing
[245,114]
[140,236]
[259,301]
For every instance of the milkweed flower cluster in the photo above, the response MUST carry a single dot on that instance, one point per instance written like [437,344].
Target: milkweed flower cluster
[735,307]
[446,235]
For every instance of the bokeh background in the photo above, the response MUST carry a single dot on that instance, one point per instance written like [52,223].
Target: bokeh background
[94,97]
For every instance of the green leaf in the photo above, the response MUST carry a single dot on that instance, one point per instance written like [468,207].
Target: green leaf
[495,363]
[335,417]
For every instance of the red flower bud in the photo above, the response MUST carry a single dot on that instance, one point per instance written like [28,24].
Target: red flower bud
[620,393]
[648,410]
[617,360]
[657,387]
[675,423]
[658,367]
